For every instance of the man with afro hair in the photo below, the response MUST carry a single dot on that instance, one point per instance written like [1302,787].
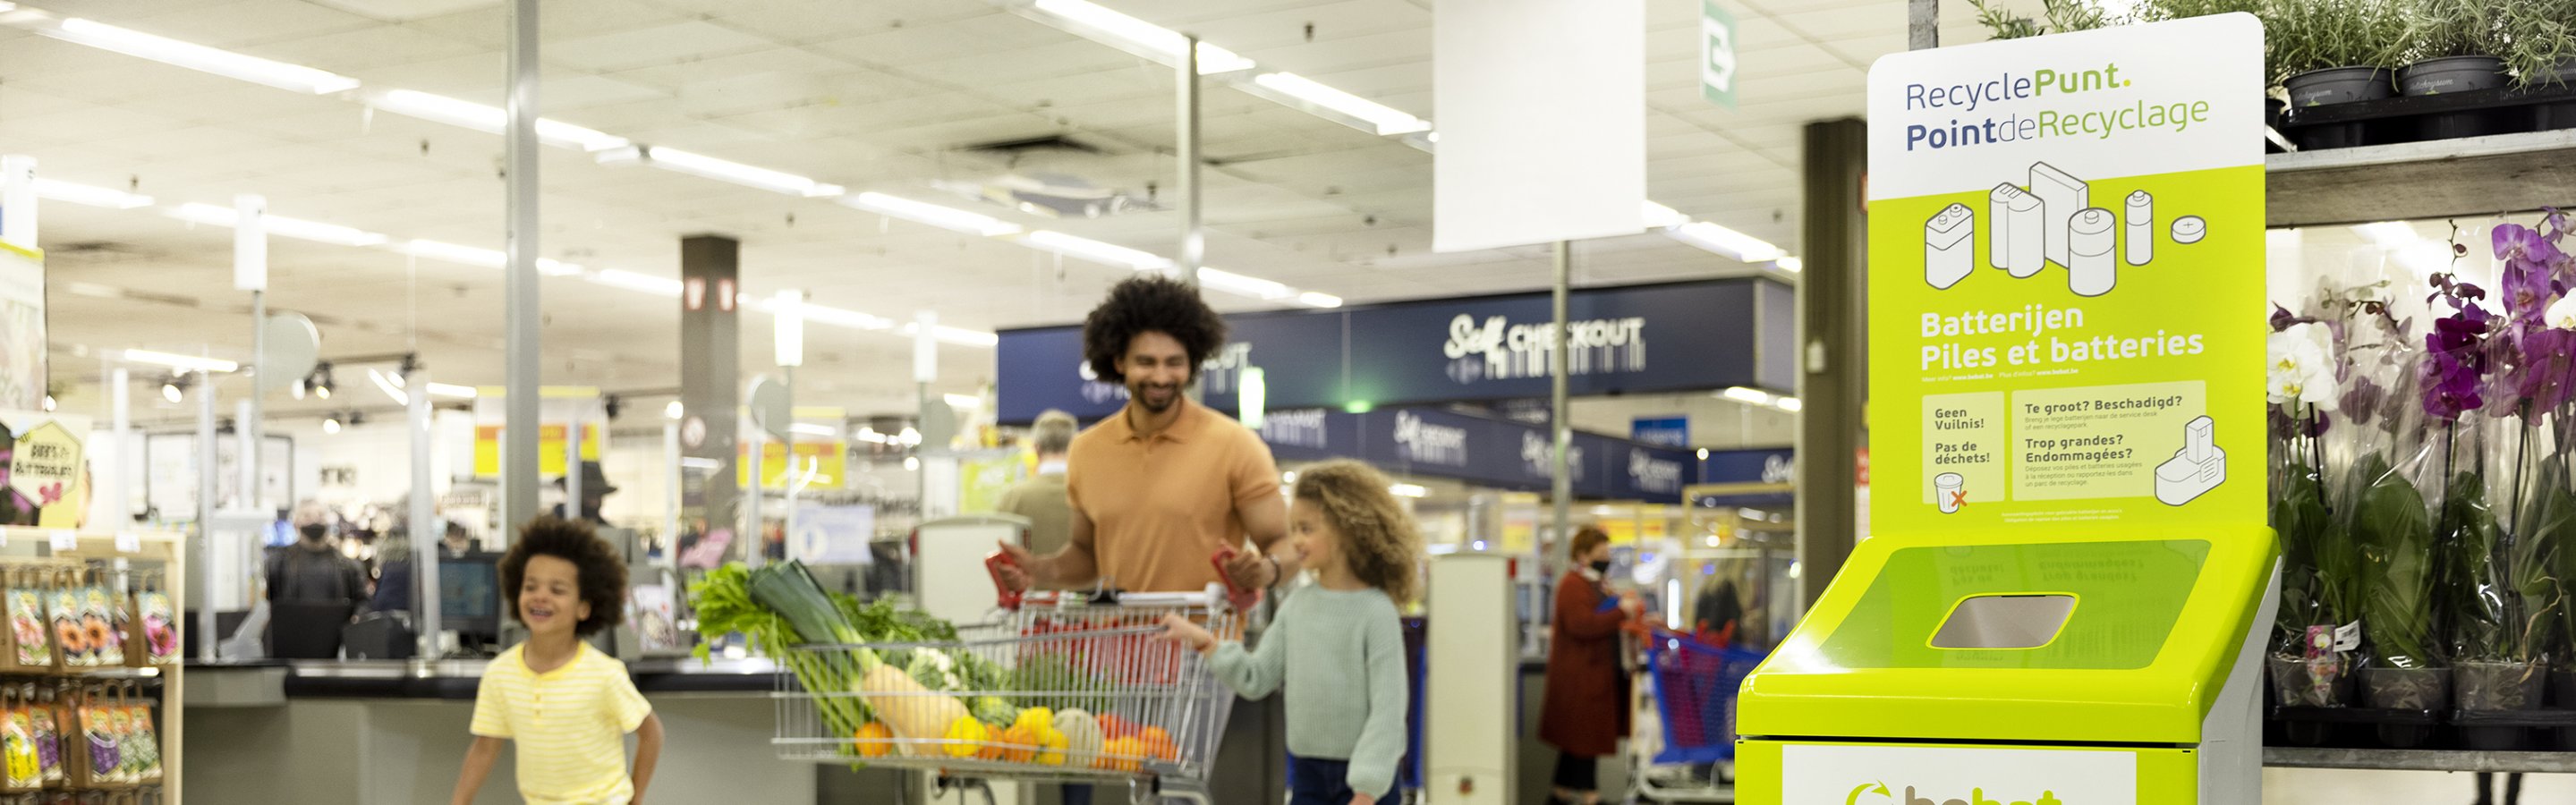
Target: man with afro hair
[1165,484]
[564,705]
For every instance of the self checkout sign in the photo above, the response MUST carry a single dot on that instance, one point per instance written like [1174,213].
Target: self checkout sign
[1716,54]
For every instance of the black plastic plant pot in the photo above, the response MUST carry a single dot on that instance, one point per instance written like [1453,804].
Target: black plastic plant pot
[2562,692]
[2552,116]
[2497,687]
[2272,112]
[2297,683]
[2456,74]
[2331,135]
[2416,689]
[2340,85]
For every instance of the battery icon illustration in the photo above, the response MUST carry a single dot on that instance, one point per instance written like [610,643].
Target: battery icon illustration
[2016,231]
[2094,268]
[2061,195]
[1949,246]
[2139,218]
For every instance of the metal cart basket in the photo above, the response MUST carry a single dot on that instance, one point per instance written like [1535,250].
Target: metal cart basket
[1158,710]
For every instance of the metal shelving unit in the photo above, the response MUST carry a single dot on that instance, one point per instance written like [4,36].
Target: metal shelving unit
[2414,181]
[2420,760]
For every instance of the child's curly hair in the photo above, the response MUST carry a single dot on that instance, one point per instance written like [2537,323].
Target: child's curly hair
[602,571]
[1378,537]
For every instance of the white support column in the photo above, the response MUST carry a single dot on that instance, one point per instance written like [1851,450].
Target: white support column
[426,529]
[250,273]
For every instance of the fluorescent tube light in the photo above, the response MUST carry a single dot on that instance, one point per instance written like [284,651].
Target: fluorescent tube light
[451,390]
[1659,216]
[956,335]
[811,429]
[846,318]
[297,228]
[922,212]
[1408,490]
[1742,394]
[1095,251]
[183,362]
[1387,119]
[1138,34]
[386,385]
[1726,241]
[454,253]
[703,166]
[91,196]
[1313,299]
[490,119]
[199,57]
[1789,404]
[618,278]
[1241,285]
[1790,264]
[962,400]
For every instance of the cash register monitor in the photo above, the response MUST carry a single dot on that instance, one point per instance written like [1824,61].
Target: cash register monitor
[469,595]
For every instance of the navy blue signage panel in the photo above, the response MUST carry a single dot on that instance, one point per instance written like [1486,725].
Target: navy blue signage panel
[1776,465]
[1684,336]
[1311,434]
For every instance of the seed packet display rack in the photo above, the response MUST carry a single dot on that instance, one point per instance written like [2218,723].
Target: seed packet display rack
[89,655]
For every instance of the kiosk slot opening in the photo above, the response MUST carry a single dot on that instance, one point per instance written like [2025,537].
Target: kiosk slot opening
[2004,621]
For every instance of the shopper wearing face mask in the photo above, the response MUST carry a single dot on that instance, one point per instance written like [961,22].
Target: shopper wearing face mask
[1586,710]
[311,586]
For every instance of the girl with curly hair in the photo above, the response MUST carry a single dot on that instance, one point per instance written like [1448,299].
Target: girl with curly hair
[1345,729]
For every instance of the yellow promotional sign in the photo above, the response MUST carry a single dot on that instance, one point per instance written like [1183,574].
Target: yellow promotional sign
[827,460]
[550,448]
[47,484]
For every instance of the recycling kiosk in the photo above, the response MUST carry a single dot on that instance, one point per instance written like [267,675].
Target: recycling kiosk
[2084,666]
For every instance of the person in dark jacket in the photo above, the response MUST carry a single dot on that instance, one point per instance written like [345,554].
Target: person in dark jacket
[312,587]
[1586,711]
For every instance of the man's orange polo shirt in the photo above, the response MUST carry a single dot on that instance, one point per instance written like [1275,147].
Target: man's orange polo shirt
[1161,506]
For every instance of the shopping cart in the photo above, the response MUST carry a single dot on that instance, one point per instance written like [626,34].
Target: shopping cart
[1694,688]
[1160,712]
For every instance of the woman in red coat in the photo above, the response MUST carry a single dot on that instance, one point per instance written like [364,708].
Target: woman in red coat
[1587,696]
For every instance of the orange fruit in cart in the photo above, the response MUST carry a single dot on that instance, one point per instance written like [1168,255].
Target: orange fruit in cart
[875,739]
[1123,754]
[1159,743]
[1020,744]
[992,748]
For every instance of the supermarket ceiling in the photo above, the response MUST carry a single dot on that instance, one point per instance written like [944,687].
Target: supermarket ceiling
[951,102]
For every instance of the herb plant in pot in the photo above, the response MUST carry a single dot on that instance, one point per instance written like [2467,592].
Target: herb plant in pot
[2542,56]
[2456,46]
[2328,52]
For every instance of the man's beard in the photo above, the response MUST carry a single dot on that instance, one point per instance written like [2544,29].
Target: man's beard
[1143,395]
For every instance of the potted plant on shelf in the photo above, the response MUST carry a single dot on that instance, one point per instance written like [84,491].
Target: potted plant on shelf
[2326,52]
[2309,660]
[2456,46]
[2541,54]
[2057,17]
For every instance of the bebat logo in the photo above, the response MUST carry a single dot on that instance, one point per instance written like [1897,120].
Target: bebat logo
[1877,793]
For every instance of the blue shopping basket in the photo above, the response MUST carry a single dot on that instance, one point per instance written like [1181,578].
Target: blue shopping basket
[1695,685]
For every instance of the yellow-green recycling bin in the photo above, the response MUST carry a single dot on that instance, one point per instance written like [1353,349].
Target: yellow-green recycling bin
[2091,665]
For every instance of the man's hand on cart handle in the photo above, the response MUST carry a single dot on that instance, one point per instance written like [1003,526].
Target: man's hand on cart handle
[1250,570]
[1180,630]
[1013,574]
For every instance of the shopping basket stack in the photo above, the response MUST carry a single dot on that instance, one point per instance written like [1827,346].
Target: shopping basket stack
[1695,685]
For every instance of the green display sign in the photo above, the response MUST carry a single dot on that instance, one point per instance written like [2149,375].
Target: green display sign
[1716,54]
[2066,281]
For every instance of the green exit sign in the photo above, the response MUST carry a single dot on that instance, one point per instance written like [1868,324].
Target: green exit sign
[1716,54]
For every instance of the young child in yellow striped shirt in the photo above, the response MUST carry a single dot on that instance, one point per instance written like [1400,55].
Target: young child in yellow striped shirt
[566,706]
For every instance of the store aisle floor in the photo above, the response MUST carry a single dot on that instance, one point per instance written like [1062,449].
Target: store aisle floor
[2339,787]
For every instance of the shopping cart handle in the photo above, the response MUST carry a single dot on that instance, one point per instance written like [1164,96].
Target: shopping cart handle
[1241,598]
[993,564]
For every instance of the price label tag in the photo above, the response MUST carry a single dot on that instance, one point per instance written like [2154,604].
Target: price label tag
[66,540]
[129,543]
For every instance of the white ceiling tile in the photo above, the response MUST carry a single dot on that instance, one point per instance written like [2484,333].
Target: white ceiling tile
[660,44]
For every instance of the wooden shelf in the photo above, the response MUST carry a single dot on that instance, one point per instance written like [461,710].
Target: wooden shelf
[2470,176]
[2420,760]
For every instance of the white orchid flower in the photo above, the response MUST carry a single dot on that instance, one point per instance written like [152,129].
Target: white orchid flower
[2299,368]
[2562,313]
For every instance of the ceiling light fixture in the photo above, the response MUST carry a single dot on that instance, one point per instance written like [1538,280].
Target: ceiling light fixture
[1789,404]
[1140,37]
[1241,285]
[1790,264]
[962,400]
[490,119]
[189,363]
[199,57]
[922,212]
[331,424]
[812,429]
[1747,395]
[454,253]
[452,390]
[297,228]
[674,410]
[1658,216]
[321,380]
[666,287]
[1387,119]
[846,318]
[49,402]
[1323,300]
[707,167]
[1726,241]
[58,190]
[175,388]
[1095,251]
[956,335]
[386,385]
[1408,490]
